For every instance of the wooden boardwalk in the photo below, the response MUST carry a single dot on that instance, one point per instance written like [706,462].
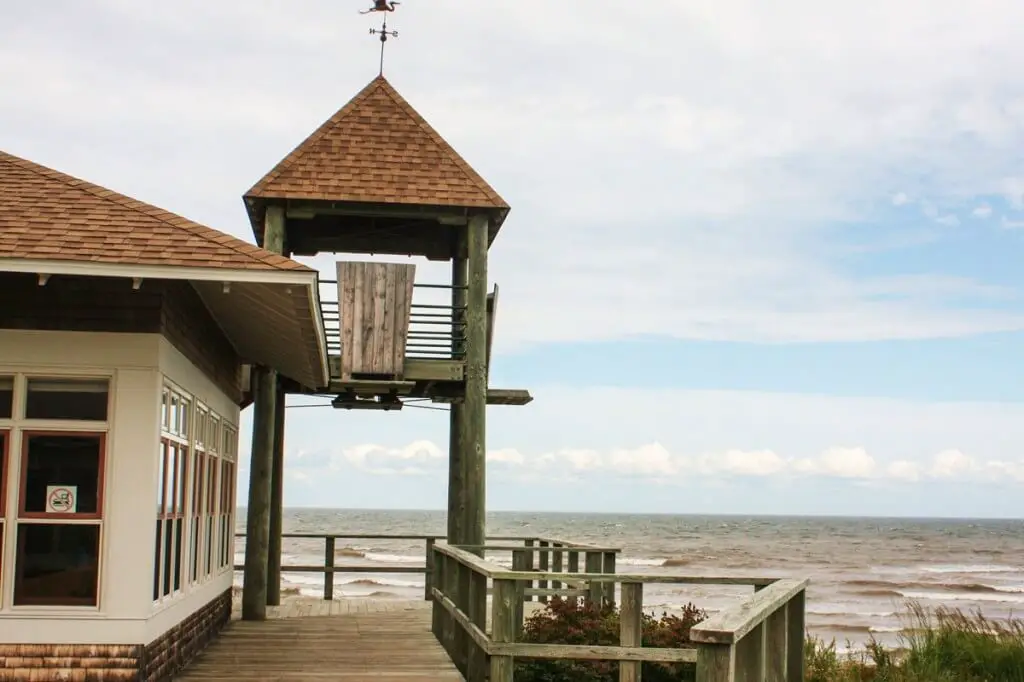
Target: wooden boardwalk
[316,640]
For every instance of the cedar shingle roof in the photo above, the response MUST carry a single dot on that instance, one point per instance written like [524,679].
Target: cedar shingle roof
[47,215]
[377,149]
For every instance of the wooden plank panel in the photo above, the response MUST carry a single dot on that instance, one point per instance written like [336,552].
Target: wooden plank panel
[374,302]
[405,278]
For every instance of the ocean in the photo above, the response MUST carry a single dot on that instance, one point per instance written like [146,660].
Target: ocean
[862,570]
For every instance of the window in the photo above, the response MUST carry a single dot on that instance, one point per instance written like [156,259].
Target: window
[229,445]
[172,495]
[59,519]
[67,399]
[195,495]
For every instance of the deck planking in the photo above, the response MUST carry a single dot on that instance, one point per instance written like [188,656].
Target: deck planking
[320,640]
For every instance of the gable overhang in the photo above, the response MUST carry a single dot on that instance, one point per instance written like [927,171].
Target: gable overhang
[271,317]
[299,210]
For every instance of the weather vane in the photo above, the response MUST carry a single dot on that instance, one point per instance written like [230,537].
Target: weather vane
[383,32]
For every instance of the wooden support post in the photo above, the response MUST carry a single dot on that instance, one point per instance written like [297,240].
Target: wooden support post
[428,573]
[437,611]
[519,564]
[593,564]
[474,425]
[574,561]
[276,502]
[257,524]
[795,638]
[503,628]
[461,599]
[609,588]
[716,663]
[543,564]
[776,646]
[451,626]
[328,564]
[456,412]
[750,655]
[630,628]
[477,665]
[557,565]
[531,561]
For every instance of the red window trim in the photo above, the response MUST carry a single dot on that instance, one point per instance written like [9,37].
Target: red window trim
[98,515]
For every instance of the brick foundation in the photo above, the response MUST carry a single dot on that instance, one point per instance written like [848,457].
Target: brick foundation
[155,662]
[182,643]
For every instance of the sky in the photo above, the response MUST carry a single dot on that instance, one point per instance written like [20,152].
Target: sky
[762,257]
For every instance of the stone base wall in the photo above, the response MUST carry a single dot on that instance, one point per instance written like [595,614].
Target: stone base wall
[156,662]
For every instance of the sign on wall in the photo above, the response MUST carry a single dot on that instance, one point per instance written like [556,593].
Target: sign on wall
[61,499]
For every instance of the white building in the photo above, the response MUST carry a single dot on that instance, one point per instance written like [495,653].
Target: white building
[126,334]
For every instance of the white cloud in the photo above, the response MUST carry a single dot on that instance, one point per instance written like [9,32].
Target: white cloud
[900,198]
[710,191]
[983,211]
[656,463]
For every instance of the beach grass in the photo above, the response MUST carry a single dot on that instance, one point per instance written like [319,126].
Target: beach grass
[938,645]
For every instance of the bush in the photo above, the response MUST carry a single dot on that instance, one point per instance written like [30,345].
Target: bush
[568,621]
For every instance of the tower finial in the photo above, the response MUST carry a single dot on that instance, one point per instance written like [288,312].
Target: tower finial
[383,32]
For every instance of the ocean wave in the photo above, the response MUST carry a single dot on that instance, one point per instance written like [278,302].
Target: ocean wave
[835,612]
[883,587]
[971,568]
[641,561]
[965,596]
[834,628]
[394,558]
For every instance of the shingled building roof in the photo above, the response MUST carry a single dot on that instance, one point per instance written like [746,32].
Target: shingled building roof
[47,215]
[377,149]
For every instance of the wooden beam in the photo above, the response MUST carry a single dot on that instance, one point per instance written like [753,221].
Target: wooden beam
[474,423]
[495,396]
[492,313]
[257,525]
[416,369]
[456,415]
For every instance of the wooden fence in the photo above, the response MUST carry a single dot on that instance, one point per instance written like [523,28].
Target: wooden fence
[521,548]
[759,640]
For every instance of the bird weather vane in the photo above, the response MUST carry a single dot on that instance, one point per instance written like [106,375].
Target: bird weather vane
[382,6]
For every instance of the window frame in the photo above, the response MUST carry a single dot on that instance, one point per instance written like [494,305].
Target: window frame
[19,429]
[26,435]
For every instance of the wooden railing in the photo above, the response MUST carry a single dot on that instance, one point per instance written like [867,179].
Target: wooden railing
[759,640]
[522,549]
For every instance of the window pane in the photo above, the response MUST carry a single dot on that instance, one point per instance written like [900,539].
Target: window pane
[157,559]
[6,396]
[3,473]
[66,461]
[57,564]
[77,399]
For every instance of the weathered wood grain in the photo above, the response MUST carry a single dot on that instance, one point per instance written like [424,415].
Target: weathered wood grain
[732,625]
[394,645]
[374,303]
[630,628]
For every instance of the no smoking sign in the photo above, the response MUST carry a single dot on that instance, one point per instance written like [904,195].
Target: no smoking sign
[61,499]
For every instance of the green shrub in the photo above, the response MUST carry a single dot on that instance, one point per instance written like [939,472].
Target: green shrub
[568,621]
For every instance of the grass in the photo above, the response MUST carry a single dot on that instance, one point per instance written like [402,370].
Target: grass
[941,645]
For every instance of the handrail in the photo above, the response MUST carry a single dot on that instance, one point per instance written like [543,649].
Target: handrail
[522,557]
[759,640]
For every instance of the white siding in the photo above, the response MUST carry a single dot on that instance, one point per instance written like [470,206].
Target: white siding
[137,364]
